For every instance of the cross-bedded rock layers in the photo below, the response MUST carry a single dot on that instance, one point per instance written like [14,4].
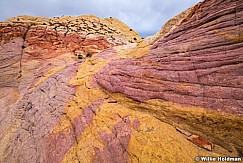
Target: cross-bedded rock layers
[85,89]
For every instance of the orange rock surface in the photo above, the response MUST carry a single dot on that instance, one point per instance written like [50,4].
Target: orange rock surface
[85,89]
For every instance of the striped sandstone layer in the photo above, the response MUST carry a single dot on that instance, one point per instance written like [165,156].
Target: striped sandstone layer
[85,89]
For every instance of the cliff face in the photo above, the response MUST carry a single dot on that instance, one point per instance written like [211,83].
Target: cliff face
[85,89]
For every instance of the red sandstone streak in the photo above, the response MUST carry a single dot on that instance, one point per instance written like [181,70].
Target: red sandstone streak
[57,145]
[199,64]
[115,144]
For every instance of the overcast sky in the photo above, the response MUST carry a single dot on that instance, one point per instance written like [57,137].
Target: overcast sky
[144,16]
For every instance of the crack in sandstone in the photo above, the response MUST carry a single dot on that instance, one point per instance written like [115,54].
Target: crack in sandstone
[22,50]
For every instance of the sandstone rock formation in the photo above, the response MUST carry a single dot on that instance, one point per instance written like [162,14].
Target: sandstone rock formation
[199,64]
[39,57]
[85,89]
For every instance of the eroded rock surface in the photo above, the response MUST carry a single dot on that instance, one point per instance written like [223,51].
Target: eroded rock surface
[199,64]
[39,57]
[85,89]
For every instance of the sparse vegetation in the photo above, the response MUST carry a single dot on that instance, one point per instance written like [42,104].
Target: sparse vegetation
[89,55]
[80,56]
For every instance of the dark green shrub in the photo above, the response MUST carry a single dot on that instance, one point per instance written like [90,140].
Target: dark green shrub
[89,55]
[80,56]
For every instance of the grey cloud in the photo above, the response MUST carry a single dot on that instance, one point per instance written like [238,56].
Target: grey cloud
[145,17]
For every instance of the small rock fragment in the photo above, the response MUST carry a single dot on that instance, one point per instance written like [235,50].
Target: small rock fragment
[136,124]
[187,133]
[201,142]
[28,106]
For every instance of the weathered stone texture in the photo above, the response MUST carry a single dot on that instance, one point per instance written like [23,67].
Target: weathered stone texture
[199,64]
[85,89]
[38,58]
